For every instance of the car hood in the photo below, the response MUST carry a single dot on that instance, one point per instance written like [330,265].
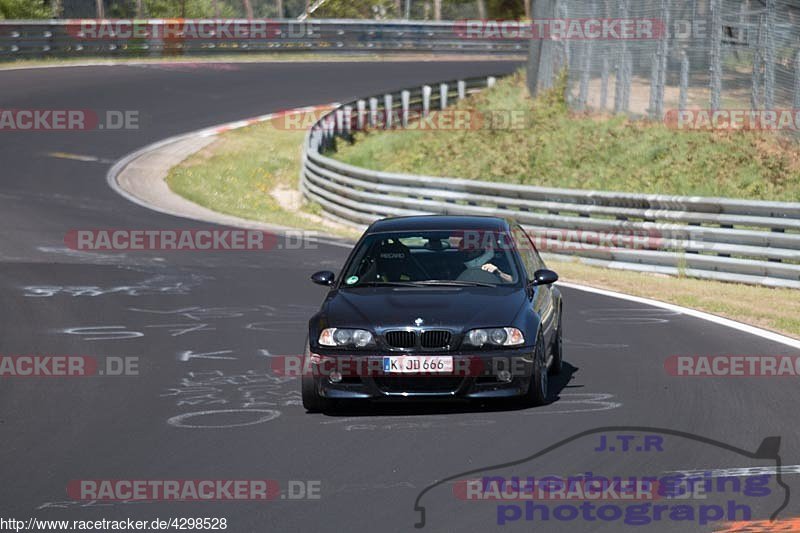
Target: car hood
[457,308]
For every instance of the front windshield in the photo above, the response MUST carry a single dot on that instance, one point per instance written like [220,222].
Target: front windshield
[454,257]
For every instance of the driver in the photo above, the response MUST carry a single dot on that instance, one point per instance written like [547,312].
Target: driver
[481,259]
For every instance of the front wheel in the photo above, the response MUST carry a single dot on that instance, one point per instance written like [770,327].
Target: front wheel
[309,390]
[557,350]
[312,400]
[537,390]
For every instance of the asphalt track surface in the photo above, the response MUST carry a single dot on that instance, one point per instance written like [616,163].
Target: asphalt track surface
[372,463]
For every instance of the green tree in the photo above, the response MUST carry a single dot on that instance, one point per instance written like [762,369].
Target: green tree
[357,9]
[24,9]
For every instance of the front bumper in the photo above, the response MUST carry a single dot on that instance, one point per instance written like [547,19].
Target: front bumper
[475,376]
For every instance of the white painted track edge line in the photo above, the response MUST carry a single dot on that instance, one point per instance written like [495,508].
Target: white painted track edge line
[727,322]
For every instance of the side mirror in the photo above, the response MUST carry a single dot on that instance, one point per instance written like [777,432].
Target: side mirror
[544,277]
[325,277]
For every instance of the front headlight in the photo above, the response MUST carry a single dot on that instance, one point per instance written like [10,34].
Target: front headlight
[358,338]
[494,337]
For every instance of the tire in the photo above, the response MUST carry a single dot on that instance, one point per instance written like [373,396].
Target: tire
[312,400]
[537,389]
[557,349]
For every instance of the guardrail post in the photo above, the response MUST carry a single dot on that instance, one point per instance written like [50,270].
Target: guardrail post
[373,112]
[426,100]
[387,106]
[462,89]
[348,119]
[405,99]
[361,110]
[490,81]
[329,125]
[443,96]
[339,121]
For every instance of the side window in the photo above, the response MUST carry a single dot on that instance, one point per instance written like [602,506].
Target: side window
[527,252]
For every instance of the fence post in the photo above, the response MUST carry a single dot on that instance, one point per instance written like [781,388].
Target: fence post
[797,82]
[620,102]
[656,60]
[604,83]
[443,96]
[426,100]
[389,109]
[586,68]
[663,47]
[405,98]
[540,10]
[626,102]
[546,66]
[769,58]
[373,112]
[755,78]
[361,108]
[684,97]
[462,89]
[716,53]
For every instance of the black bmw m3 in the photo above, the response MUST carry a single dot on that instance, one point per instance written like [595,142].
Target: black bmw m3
[436,307]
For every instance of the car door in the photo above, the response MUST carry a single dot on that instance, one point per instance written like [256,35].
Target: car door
[542,299]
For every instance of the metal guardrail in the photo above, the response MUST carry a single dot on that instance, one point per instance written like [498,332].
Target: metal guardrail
[155,37]
[754,242]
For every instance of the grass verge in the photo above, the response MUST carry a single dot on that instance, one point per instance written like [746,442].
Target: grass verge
[555,147]
[251,173]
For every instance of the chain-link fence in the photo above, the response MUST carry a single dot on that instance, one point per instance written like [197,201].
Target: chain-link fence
[658,58]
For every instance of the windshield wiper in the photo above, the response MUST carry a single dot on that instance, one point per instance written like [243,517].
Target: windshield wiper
[453,283]
[384,284]
[424,283]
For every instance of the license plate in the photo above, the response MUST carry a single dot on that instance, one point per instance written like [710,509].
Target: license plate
[417,364]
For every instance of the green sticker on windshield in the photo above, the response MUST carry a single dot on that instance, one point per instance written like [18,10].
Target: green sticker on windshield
[351,280]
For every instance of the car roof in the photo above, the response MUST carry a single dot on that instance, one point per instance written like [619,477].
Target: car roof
[438,223]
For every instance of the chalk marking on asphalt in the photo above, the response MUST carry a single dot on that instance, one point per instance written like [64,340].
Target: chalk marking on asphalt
[180,421]
[727,322]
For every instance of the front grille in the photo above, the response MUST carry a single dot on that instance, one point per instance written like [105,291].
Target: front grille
[437,338]
[419,384]
[401,339]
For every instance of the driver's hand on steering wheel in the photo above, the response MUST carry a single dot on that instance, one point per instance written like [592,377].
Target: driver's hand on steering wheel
[492,269]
